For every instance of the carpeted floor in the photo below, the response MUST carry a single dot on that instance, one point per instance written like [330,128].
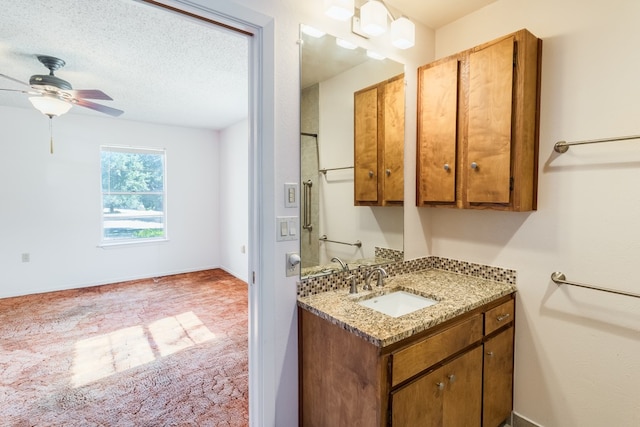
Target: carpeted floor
[170,351]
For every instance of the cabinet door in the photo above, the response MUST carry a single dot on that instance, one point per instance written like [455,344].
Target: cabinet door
[420,403]
[498,379]
[437,135]
[489,127]
[394,140]
[366,145]
[463,399]
[450,396]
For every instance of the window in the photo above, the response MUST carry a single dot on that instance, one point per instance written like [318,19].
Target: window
[133,194]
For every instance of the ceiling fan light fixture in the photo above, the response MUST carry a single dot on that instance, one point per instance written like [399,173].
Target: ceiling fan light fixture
[373,18]
[403,33]
[49,105]
[341,10]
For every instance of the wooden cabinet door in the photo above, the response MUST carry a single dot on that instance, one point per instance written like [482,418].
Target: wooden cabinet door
[450,396]
[463,399]
[394,140]
[489,123]
[437,132]
[420,403]
[498,379]
[366,145]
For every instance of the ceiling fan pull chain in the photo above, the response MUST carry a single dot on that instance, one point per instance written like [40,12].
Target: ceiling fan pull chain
[51,134]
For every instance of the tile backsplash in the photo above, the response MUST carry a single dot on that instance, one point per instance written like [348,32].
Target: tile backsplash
[331,282]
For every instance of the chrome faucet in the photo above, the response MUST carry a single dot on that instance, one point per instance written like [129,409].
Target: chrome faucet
[367,278]
[342,264]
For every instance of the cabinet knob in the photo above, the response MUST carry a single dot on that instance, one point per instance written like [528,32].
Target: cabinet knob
[451,377]
[440,385]
[370,174]
[388,171]
[490,353]
[502,317]
[446,167]
[474,165]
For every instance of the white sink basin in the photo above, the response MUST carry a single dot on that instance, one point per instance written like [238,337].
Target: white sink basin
[397,303]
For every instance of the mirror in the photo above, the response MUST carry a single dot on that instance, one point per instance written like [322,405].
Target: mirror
[330,223]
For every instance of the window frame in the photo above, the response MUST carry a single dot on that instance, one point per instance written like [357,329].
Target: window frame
[110,242]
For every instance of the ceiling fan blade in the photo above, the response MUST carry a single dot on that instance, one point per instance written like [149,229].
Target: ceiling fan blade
[89,94]
[21,91]
[12,79]
[98,107]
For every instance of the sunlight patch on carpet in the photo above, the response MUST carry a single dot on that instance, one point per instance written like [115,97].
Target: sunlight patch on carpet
[104,355]
[176,333]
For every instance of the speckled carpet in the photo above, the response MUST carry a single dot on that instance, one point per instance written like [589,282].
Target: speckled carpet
[170,351]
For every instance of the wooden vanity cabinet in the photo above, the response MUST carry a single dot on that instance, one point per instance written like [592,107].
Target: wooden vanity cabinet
[379,144]
[478,121]
[441,377]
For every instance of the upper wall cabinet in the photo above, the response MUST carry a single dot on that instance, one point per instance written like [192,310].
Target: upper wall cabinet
[478,120]
[379,144]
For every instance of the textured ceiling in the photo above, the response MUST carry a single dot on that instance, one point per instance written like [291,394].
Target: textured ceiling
[157,66]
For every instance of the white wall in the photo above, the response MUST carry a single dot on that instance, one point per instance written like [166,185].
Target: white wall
[51,202]
[339,218]
[576,350]
[233,176]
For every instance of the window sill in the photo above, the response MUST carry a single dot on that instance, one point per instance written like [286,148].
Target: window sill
[128,243]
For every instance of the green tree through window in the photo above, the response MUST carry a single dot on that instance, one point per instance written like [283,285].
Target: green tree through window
[133,193]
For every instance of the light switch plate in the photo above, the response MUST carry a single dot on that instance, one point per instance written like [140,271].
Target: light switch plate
[286,228]
[290,195]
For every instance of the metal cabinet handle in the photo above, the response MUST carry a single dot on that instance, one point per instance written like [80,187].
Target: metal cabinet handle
[370,174]
[440,385]
[388,172]
[502,317]
[451,377]
[474,165]
[490,353]
[446,167]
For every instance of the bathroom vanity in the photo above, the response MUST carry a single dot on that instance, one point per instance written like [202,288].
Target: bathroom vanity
[448,364]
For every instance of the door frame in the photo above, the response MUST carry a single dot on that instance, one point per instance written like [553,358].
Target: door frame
[260,32]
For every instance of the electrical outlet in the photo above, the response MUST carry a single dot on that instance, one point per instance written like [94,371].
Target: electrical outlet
[26,257]
[292,264]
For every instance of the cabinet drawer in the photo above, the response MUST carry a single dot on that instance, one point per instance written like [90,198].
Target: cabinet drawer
[499,316]
[412,360]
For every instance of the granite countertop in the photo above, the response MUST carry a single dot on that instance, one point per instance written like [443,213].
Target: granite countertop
[456,294]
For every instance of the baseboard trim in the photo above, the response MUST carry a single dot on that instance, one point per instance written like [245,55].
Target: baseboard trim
[520,421]
[44,290]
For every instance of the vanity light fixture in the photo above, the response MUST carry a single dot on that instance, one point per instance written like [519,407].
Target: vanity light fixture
[403,33]
[312,31]
[346,44]
[371,20]
[341,10]
[50,105]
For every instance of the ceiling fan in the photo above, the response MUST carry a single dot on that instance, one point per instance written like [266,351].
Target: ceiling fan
[54,96]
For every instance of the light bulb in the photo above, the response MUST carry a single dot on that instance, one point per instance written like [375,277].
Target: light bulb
[373,18]
[341,10]
[403,33]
